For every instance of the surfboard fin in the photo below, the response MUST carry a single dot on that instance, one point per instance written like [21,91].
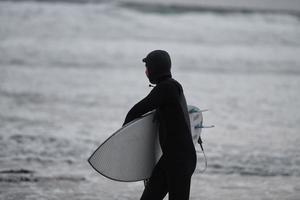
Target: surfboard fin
[194,110]
[204,110]
[202,126]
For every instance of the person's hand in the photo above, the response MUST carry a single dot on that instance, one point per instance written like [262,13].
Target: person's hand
[146,181]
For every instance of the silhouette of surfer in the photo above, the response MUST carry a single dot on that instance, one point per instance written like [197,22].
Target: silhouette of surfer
[172,174]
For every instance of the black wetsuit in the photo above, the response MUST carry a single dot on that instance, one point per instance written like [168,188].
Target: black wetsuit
[173,172]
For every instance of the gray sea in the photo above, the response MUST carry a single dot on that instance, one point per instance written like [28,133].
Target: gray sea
[69,72]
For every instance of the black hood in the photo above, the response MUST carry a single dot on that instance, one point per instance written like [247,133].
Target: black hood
[158,63]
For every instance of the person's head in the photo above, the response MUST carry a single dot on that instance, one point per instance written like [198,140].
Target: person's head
[158,65]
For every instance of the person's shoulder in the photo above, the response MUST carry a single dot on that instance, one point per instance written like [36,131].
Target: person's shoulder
[174,83]
[170,85]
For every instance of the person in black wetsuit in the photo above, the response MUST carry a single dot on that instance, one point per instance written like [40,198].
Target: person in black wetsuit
[172,174]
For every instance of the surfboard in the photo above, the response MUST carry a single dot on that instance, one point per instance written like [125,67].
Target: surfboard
[131,153]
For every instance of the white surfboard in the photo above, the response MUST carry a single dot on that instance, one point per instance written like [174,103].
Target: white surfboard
[131,153]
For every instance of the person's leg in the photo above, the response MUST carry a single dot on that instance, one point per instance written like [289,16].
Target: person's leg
[156,188]
[179,186]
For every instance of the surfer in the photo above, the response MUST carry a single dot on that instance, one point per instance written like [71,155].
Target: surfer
[172,174]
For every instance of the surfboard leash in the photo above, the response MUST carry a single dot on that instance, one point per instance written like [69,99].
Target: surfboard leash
[205,160]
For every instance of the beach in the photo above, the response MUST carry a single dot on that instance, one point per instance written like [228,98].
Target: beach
[69,73]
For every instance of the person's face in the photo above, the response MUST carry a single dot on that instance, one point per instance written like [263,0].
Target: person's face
[146,72]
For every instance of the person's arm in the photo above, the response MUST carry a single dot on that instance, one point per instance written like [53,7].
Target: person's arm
[157,97]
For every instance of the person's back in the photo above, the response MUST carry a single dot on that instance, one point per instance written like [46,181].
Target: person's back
[174,124]
[172,174]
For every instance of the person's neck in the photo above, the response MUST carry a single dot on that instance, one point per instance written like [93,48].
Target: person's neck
[163,78]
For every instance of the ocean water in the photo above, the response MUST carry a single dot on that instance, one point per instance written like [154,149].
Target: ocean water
[69,72]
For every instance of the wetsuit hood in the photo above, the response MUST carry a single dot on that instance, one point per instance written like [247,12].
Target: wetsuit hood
[158,63]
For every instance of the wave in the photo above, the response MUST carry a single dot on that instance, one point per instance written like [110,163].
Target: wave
[65,1]
[251,171]
[251,165]
[17,171]
[246,171]
[198,8]
[25,175]
[170,7]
